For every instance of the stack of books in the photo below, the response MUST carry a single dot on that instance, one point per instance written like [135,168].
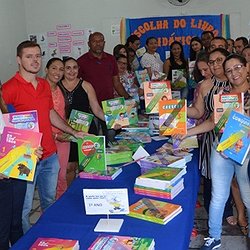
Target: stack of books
[168,193]
[115,242]
[109,174]
[131,143]
[118,154]
[159,159]
[160,177]
[154,211]
[55,243]
[137,136]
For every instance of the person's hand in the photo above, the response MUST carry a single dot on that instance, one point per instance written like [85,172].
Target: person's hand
[39,152]
[117,126]
[179,137]
[2,176]
[80,134]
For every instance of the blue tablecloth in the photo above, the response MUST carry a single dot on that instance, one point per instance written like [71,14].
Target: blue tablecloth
[67,219]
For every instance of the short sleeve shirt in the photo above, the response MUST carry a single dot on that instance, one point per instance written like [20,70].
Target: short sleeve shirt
[24,97]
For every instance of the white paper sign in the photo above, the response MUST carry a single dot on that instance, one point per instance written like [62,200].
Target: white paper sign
[106,201]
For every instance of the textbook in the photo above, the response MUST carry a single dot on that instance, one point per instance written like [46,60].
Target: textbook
[55,244]
[173,117]
[160,177]
[115,112]
[91,152]
[115,242]
[154,211]
[17,157]
[235,140]
[223,105]
[22,120]
[179,79]
[109,174]
[154,92]
[118,154]
[131,109]
[169,193]
[79,121]
[142,76]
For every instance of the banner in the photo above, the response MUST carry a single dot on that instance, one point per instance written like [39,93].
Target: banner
[169,29]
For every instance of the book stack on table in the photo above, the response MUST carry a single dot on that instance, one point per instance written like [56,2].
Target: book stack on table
[112,242]
[162,182]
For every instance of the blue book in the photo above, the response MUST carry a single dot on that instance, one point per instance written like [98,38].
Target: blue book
[235,141]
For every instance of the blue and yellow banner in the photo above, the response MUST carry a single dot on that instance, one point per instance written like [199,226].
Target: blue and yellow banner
[176,28]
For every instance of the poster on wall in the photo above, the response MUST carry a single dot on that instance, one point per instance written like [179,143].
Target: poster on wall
[169,29]
[63,41]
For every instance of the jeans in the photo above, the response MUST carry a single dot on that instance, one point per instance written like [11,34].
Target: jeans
[46,179]
[12,193]
[222,172]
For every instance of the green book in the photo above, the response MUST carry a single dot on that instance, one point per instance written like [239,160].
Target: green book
[91,152]
[79,121]
[115,112]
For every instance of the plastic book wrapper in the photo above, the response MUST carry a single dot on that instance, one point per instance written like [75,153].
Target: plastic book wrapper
[91,151]
[154,92]
[179,79]
[173,117]
[115,112]
[153,210]
[17,157]
[235,140]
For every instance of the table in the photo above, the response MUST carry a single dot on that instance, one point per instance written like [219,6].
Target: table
[66,217]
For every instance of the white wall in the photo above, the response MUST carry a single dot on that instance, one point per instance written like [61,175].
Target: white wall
[43,15]
[13,31]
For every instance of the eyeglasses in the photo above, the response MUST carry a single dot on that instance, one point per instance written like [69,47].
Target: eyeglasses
[218,61]
[236,68]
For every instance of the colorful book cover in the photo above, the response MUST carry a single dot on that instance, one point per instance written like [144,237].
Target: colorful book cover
[55,243]
[22,120]
[91,152]
[154,92]
[79,121]
[109,174]
[153,210]
[115,242]
[142,76]
[223,105]
[115,112]
[160,177]
[118,154]
[173,117]
[131,109]
[179,79]
[235,140]
[17,157]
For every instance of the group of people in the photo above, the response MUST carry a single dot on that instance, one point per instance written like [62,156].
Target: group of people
[83,83]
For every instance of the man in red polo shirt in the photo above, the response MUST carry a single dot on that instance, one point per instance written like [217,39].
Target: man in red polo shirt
[25,91]
[100,69]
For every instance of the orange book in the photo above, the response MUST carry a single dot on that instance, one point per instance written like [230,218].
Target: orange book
[154,92]
[173,117]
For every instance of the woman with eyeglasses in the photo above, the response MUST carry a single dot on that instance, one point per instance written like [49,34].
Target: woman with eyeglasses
[223,169]
[202,109]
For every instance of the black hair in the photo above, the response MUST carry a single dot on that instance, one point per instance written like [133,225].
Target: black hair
[68,58]
[207,32]
[192,53]
[131,39]
[224,52]
[117,48]
[24,45]
[220,38]
[150,38]
[202,56]
[243,39]
[171,58]
[52,60]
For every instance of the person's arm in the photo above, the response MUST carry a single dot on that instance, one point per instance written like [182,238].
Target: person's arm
[58,122]
[95,107]
[166,66]
[119,87]
[204,127]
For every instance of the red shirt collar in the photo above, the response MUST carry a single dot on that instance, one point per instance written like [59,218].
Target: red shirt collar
[91,56]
